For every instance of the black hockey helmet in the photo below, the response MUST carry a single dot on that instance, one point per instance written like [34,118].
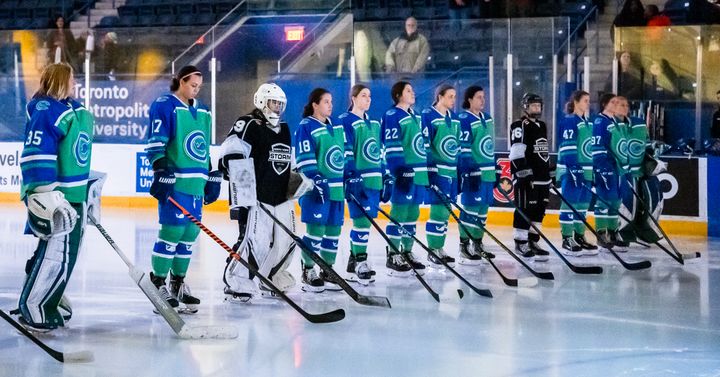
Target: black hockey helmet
[529,98]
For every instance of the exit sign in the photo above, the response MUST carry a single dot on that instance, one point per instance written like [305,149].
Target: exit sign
[294,33]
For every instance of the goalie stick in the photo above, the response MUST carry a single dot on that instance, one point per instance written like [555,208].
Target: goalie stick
[481,292]
[573,268]
[422,281]
[332,316]
[163,308]
[63,357]
[357,297]
[527,282]
[630,266]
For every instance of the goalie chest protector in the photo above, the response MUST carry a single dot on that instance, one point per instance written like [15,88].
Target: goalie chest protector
[271,154]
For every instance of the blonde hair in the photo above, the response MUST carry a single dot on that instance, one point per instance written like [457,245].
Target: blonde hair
[54,80]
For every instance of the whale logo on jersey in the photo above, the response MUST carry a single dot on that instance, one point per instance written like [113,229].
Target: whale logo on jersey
[622,149]
[418,144]
[279,157]
[487,147]
[636,148]
[82,148]
[541,148]
[449,147]
[42,105]
[586,148]
[195,146]
[335,160]
[371,151]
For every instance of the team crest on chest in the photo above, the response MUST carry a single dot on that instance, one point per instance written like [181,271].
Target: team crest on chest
[419,146]
[279,157]
[335,160]
[81,149]
[622,148]
[195,146]
[371,151]
[636,148]
[586,148]
[541,149]
[449,147]
[487,147]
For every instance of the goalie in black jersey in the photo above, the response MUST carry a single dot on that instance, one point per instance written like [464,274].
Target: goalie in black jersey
[255,159]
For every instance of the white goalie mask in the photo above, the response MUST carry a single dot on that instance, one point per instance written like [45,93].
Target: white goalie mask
[271,100]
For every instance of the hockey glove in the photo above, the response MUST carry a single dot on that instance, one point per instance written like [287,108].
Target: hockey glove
[388,183]
[469,182]
[441,182]
[604,175]
[162,184]
[405,178]
[321,188]
[354,186]
[577,175]
[212,186]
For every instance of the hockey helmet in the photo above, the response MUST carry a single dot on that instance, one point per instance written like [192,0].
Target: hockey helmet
[271,100]
[528,99]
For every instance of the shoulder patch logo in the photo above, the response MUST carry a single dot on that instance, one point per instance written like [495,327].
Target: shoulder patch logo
[82,148]
[195,146]
[391,112]
[42,105]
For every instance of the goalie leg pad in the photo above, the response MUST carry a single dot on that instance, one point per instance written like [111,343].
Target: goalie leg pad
[241,174]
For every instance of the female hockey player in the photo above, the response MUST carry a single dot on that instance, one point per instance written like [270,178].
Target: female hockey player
[606,134]
[574,169]
[529,163]
[55,166]
[443,136]
[631,158]
[364,181]
[476,172]
[179,150]
[320,155]
[407,178]
[255,159]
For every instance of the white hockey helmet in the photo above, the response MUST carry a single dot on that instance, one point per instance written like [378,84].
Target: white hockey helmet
[271,100]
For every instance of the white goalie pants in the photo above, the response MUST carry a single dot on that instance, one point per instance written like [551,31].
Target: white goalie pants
[265,246]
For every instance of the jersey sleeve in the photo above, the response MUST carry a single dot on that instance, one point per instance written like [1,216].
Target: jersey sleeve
[391,135]
[238,144]
[305,151]
[162,129]
[39,160]
[429,131]
[567,153]
[600,143]
[349,132]
[518,162]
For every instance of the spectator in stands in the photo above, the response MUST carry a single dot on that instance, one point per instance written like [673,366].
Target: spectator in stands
[715,129]
[629,82]
[408,53]
[61,38]
[655,18]
[459,10]
[660,82]
[631,14]
[108,55]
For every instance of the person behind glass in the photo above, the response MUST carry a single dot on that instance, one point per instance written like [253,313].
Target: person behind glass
[605,171]
[61,38]
[476,172]
[459,11]
[408,53]
[320,155]
[178,148]
[406,177]
[364,178]
[715,127]
[530,167]
[574,169]
[629,82]
[443,135]
[55,167]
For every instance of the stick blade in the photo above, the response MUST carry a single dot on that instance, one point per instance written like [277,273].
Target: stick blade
[208,332]
[642,265]
[78,357]
[546,275]
[380,301]
[329,317]
[587,270]
[687,256]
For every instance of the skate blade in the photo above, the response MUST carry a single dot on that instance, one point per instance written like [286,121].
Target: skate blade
[311,289]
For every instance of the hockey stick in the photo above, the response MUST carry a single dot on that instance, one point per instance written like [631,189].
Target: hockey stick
[332,316]
[657,224]
[447,202]
[422,281]
[166,311]
[63,357]
[630,266]
[677,258]
[481,292]
[357,297]
[574,268]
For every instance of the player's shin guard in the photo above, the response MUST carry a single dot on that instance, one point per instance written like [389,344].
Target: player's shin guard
[436,226]
[165,248]
[181,261]
[313,239]
[359,236]
[567,222]
[329,244]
